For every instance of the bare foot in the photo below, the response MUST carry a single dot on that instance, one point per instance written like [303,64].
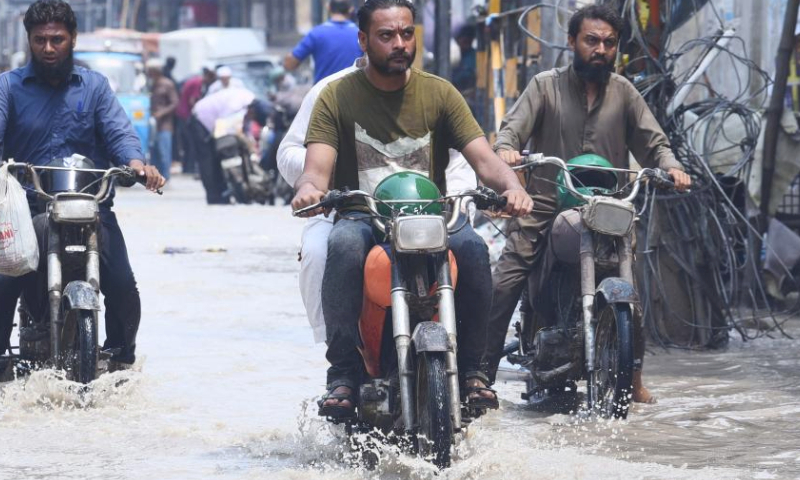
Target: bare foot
[640,393]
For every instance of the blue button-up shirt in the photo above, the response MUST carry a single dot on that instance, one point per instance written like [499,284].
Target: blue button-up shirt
[39,122]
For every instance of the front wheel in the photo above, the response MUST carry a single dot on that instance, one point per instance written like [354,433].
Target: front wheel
[613,360]
[85,353]
[435,426]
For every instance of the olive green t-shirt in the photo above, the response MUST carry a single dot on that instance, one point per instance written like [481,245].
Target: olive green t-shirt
[377,133]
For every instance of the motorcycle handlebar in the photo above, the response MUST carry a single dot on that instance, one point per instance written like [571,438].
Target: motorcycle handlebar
[659,177]
[484,198]
[103,191]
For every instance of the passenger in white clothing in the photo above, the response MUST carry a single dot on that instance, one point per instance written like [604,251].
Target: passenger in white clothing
[314,241]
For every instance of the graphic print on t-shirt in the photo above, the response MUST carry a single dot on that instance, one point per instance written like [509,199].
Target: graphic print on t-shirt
[377,160]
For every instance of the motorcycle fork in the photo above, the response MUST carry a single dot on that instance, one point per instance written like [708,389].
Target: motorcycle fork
[54,288]
[58,317]
[587,302]
[447,318]
[401,325]
[588,287]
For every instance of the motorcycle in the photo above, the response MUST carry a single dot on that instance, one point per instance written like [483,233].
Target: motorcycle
[246,181]
[407,323]
[64,335]
[577,324]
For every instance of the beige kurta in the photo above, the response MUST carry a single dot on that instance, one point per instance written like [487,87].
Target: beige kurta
[553,115]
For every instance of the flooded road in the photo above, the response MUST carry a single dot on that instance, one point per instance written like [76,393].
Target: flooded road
[227,377]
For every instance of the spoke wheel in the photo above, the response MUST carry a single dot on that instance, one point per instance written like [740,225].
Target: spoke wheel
[435,433]
[613,360]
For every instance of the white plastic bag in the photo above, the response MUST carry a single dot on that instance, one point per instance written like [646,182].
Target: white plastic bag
[19,250]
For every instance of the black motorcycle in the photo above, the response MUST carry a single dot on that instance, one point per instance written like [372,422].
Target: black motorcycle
[576,321]
[65,334]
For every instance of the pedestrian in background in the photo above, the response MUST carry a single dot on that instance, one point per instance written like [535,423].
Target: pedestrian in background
[205,114]
[225,79]
[333,45]
[192,91]
[163,101]
[169,66]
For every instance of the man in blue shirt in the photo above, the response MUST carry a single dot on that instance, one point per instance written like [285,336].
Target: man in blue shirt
[51,109]
[334,44]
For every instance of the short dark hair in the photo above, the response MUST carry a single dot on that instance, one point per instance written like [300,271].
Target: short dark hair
[595,12]
[340,6]
[42,12]
[365,12]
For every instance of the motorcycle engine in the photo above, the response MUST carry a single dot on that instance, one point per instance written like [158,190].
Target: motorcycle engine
[376,403]
[551,348]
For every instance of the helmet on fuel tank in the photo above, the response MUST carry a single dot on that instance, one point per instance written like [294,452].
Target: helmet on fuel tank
[585,180]
[413,193]
[58,181]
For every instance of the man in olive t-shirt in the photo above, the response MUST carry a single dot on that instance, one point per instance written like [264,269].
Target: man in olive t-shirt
[377,133]
[373,122]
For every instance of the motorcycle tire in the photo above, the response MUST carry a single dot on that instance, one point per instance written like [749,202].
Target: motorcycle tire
[613,360]
[435,432]
[84,358]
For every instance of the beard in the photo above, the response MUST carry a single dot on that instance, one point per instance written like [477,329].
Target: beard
[386,67]
[58,72]
[588,72]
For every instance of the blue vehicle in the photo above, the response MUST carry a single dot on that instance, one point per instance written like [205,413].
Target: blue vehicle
[125,74]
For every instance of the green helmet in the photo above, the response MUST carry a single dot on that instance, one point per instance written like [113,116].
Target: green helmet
[414,189]
[585,181]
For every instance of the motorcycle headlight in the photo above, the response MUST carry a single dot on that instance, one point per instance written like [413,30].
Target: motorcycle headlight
[609,216]
[420,233]
[74,208]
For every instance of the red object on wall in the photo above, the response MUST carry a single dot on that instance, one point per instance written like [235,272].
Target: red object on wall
[199,14]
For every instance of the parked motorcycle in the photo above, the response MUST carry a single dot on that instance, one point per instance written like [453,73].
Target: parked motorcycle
[408,324]
[576,321]
[65,333]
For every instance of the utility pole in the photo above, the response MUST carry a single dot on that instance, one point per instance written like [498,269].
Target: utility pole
[775,108]
[441,45]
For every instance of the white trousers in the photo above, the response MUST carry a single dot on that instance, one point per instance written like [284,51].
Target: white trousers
[313,253]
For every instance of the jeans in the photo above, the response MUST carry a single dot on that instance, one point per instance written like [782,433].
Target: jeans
[348,245]
[163,153]
[117,283]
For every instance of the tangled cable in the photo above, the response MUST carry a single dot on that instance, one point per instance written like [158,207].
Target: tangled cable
[705,236]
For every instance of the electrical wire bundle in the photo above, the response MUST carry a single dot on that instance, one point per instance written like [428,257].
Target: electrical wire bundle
[701,244]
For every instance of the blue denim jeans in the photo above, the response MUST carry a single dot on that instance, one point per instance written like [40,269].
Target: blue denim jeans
[342,288]
[163,154]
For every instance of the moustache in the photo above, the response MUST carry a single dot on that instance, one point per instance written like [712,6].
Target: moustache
[403,55]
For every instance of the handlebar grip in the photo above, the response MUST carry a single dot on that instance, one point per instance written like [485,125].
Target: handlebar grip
[488,198]
[662,180]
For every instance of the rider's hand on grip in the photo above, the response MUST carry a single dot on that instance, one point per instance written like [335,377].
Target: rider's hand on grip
[681,180]
[519,202]
[310,202]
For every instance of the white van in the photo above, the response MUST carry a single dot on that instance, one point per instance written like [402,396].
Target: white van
[193,47]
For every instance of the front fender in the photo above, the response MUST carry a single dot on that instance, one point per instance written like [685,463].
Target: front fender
[430,337]
[80,295]
[615,290]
